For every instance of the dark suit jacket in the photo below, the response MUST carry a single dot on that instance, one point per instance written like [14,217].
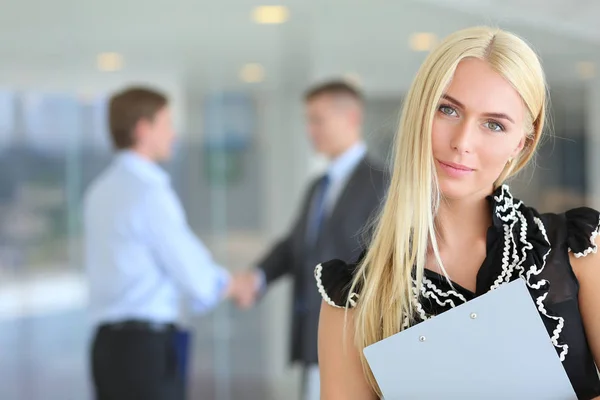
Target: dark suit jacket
[342,237]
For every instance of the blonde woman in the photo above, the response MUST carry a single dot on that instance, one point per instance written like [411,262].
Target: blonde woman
[450,229]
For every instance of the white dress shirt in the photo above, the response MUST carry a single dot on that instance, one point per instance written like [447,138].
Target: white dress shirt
[339,171]
[140,253]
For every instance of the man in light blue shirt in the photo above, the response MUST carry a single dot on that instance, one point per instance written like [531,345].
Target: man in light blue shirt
[141,258]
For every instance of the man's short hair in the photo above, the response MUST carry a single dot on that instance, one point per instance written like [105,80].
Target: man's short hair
[127,108]
[333,88]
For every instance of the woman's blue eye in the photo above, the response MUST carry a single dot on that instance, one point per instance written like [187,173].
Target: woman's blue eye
[494,126]
[447,110]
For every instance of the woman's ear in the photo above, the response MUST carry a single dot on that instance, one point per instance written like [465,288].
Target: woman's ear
[519,147]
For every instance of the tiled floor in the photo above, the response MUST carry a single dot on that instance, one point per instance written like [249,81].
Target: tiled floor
[44,357]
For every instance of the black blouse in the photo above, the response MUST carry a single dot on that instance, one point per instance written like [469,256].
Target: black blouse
[521,243]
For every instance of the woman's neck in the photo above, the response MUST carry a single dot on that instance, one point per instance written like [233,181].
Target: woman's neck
[462,220]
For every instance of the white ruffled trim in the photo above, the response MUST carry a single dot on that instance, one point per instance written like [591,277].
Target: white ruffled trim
[593,248]
[533,270]
[430,291]
[516,215]
[405,323]
[508,200]
[417,304]
[435,291]
[351,299]
[325,296]
[511,260]
[540,300]
[507,265]
[559,327]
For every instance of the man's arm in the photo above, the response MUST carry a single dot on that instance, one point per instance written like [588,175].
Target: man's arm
[280,258]
[278,261]
[182,255]
[249,285]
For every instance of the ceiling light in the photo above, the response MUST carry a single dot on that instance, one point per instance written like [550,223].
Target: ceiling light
[252,73]
[270,14]
[422,41]
[109,62]
[586,70]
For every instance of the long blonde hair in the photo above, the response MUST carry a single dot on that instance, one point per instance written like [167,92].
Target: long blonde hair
[405,227]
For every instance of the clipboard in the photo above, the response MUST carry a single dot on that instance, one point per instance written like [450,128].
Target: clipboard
[493,347]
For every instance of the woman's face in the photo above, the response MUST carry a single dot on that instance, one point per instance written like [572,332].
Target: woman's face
[478,127]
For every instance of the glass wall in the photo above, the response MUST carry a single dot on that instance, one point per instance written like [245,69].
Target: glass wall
[45,138]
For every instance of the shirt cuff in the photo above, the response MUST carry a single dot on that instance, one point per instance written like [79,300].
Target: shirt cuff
[221,283]
[261,281]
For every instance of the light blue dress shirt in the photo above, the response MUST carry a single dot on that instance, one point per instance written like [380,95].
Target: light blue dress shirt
[140,254]
[339,171]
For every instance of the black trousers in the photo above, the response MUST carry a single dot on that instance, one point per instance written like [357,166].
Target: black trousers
[133,363]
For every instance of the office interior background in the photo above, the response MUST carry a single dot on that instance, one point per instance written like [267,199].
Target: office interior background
[235,71]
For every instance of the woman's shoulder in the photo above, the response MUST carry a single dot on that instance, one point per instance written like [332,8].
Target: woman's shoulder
[575,228]
[334,280]
[582,228]
[578,227]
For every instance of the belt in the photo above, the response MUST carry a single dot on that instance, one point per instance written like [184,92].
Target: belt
[137,325]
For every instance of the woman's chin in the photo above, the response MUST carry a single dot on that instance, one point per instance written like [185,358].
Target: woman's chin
[454,190]
[463,190]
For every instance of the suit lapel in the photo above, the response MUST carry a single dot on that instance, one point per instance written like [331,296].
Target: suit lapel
[306,214]
[347,192]
[338,209]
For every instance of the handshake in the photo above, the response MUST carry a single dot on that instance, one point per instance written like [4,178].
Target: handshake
[244,288]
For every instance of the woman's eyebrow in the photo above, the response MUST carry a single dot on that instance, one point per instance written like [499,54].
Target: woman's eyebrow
[490,114]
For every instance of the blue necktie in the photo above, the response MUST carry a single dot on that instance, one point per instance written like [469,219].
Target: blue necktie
[317,211]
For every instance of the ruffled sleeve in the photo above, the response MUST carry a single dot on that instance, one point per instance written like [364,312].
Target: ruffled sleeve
[334,279]
[582,229]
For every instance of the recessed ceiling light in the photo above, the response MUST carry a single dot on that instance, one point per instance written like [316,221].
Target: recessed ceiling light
[252,73]
[270,14]
[586,70]
[422,41]
[109,62]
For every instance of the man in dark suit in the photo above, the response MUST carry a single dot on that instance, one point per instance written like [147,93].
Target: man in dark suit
[333,217]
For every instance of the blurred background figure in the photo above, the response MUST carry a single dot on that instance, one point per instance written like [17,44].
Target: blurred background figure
[141,256]
[332,221]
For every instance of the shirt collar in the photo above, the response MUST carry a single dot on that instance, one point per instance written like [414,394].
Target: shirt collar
[343,165]
[142,166]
